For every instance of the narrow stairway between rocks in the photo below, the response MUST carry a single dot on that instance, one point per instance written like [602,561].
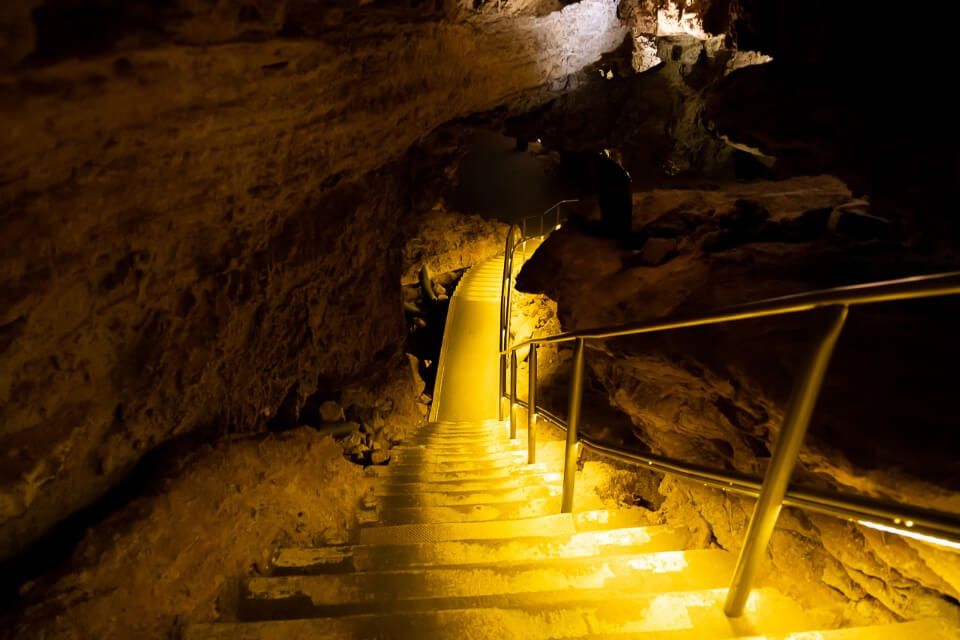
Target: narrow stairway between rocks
[468,542]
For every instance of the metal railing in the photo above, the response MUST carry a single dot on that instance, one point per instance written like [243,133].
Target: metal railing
[517,236]
[773,491]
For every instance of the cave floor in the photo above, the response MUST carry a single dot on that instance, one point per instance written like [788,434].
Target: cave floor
[467,541]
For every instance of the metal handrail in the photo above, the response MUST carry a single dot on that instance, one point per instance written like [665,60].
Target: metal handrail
[930,286]
[516,236]
[928,522]
[773,492]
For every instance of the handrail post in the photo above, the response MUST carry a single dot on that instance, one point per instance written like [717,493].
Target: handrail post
[513,395]
[777,478]
[532,405]
[573,424]
[506,284]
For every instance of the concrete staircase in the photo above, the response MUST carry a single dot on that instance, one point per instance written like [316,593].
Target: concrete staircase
[468,543]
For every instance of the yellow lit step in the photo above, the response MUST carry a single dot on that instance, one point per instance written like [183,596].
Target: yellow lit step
[461,448]
[602,519]
[427,456]
[915,630]
[423,475]
[461,439]
[560,524]
[670,616]
[499,585]
[478,552]
[481,464]
[393,486]
[471,512]
[460,498]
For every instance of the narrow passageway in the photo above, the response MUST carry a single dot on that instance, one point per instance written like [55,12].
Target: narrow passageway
[467,375]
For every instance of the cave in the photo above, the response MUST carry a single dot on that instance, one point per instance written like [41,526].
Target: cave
[479,319]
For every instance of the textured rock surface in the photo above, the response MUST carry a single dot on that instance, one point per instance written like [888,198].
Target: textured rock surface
[827,103]
[447,241]
[190,232]
[716,396]
[646,100]
[179,553]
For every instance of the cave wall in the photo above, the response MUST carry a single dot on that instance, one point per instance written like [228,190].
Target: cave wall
[832,102]
[884,424]
[194,219]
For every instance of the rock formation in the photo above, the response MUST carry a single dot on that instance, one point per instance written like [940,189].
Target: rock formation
[191,226]
[715,396]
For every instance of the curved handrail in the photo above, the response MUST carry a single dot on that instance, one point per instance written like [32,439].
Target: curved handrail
[774,490]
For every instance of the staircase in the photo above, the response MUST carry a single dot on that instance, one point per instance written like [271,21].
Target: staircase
[468,543]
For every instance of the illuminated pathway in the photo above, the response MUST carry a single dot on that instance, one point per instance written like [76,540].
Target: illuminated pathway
[467,543]
[467,375]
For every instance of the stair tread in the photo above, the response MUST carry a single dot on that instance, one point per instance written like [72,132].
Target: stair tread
[481,512]
[477,552]
[402,465]
[463,498]
[560,524]
[645,572]
[692,615]
[389,486]
[498,473]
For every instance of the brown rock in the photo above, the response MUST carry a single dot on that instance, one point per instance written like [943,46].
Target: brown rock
[331,411]
[656,251]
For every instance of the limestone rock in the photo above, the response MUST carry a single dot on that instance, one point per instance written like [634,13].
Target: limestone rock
[656,251]
[716,395]
[331,411]
[202,215]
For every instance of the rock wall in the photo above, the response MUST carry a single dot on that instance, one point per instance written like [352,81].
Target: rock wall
[177,554]
[716,396]
[192,217]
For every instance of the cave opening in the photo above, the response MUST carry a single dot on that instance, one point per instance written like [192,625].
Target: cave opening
[527,318]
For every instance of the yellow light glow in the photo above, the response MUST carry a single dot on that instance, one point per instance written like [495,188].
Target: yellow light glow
[673,19]
[940,542]
[602,516]
[553,477]
[665,562]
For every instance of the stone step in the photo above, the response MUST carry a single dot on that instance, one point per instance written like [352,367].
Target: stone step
[915,630]
[460,498]
[424,452]
[423,475]
[462,451]
[498,585]
[692,615]
[602,519]
[560,524]
[444,444]
[556,525]
[465,427]
[405,465]
[389,486]
[463,439]
[425,455]
[383,557]
[471,512]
